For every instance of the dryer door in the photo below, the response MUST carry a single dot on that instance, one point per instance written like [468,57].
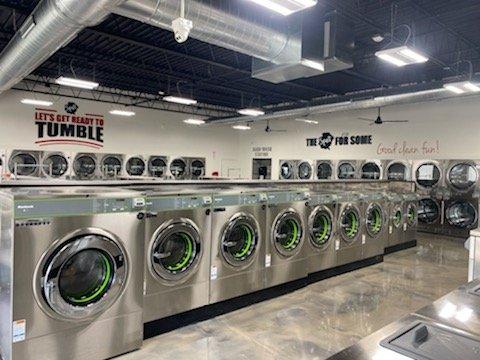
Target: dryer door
[286,170]
[83,276]
[350,224]
[84,166]
[240,240]
[111,166]
[428,211]
[324,171]
[197,169]
[371,171]
[374,219]
[320,225]
[178,168]
[461,214]
[23,164]
[157,167]
[397,171]
[55,165]
[135,166]
[346,171]
[175,251]
[462,176]
[304,171]
[287,233]
[428,175]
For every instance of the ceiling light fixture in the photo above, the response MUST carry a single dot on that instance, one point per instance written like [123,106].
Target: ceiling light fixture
[241,127]
[251,112]
[401,56]
[286,7]
[122,113]
[197,122]
[83,84]
[313,122]
[462,87]
[180,100]
[36,102]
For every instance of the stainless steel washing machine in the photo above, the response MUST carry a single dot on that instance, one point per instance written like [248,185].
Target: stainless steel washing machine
[350,225]
[111,166]
[398,170]
[347,169]
[462,177]
[285,250]
[3,163]
[237,265]
[158,166]
[56,165]
[288,169]
[430,215]
[460,216]
[86,166]
[371,170]
[428,175]
[321,220]
[304,170]
[179,169]
[374,239]
[177,251]
[397,220]
[135,167]
[71,277]
[411,216]
[324,169]
[196,168]
[24,164]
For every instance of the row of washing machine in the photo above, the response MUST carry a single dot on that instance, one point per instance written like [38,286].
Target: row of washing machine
[82,269]
[21,164]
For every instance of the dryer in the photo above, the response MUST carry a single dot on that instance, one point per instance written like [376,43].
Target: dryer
[396,216]
[461,176]
[398,170]
[321,220]
[237,265]
[304,170]
[177,251]
[86,166]
[24,164]
[157,166]
[430,215]
[347,169]
[324,170]
[371,170]
[288,169]
[71,277]
[460,216]
[428,175]
[179,169]
[135,167]
[285,250]
[374,239]
[196,168]
[111,166]
[56,165]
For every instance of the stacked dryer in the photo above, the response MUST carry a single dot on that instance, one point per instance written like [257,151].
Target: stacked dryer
[24,164]
[295,170]
[371,170]
[324,170]
[398,170]
[347,169]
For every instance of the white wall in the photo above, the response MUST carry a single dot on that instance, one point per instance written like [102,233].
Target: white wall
[150,132]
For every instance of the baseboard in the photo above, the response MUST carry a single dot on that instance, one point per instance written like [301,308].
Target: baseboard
[400,247]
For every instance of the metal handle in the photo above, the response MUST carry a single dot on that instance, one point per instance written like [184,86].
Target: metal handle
[161,256]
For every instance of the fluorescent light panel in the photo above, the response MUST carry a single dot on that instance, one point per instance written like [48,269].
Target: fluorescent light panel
[241,127]
[180,100]
[401,56]
[286,7]
[122,113]
[462,87]
[194,121]
[83,84]
[36,102]
[251,112]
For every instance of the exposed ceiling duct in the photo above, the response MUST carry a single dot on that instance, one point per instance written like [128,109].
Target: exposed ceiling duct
[52,24]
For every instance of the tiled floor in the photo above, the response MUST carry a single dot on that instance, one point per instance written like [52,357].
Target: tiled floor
[324,318]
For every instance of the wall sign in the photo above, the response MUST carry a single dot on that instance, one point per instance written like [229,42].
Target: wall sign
[327,140]
[262,151]
[68,127]
[405,149]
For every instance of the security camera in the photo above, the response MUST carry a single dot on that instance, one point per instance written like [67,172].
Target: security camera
[181,28]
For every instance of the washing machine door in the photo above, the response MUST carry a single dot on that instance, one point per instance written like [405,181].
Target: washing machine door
[157,167]
[412,215]
[397,216]
[178,168]
[23,164]
[324,171]
[461,214]
[84,166]
[374,220]
[350,224]
[82,276]
[287,233]
[304,171]
[428,211]
[346,171]
[240,240]
[55,165]
[197,169]
[135,166]
[462,176]
[111,166]
[320,225]
[286,170]
[397,171]
[427,175]
[371,171]
[175,251]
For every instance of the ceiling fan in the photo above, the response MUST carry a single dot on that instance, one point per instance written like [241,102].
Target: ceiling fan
[268,129]
[380,121]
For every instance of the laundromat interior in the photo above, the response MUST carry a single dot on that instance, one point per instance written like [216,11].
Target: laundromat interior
[239,179]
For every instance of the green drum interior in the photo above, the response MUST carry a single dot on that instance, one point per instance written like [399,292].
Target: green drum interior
[411,216]
[375,221]
[240,241]
[177,252]
[322,228]
[351,224]
[86,277]
[289,234]
[397,218]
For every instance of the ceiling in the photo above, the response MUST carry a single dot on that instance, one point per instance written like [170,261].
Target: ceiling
[125,54]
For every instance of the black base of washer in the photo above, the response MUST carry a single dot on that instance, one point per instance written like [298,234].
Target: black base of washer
[400,247]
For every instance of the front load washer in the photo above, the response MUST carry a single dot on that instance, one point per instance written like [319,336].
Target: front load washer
[371,170]
[135,167]
[238,250]
[158,166]
[196,168]
[24,164]
[324,170]
[177,252]
[86,166]
[304,170]
[285,250]
[321,231]
[3,164]
[288,169]
[410,201]
[398,170]
[460,216]
[430,217]
[111,166]
[428,175]
[56,165]
[374,239]
[461,177]
[71,277]
[347,170]
[396,216]
[179,169]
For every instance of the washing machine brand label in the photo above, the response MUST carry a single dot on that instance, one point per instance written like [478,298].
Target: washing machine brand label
[268,260]
[19,329]
[25,207]
[213,273]
[67,127]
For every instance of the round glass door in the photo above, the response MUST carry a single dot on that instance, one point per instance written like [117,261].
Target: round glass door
[397,171]
[324,171]
[287,233]
[198,169]
[320,224]
[82,277]
[175,251]
[374,220]
[135,166]
[371,171]
[397,217]
[240,240]
[23,164]
[84,166]
[304,171]
[111,166]
[462,215]
[178,168]
[55,165]
[412,215]
[428,211]
[286,170]
[157,167]
[463,176]
[350,224]
[346,171]
[428,175]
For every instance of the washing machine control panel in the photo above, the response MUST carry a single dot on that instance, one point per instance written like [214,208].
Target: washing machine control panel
[178,203]
[288,197]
